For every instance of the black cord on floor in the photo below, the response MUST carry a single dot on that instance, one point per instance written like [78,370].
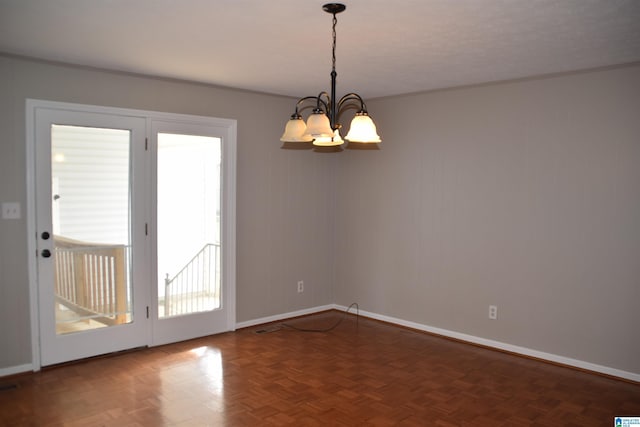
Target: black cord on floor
[331,328]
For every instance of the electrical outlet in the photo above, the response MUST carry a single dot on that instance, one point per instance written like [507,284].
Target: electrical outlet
[10,210]
[493,312]
[300,286]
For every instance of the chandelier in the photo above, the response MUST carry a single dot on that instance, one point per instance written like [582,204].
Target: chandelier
[322,126]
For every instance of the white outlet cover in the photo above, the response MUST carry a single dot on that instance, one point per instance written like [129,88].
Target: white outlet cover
[493,312]
[10,210]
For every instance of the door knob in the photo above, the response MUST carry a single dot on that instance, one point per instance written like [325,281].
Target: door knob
[46,253]
[45,235]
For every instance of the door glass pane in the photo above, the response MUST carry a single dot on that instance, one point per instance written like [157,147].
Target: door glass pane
[90,171]
[188,224]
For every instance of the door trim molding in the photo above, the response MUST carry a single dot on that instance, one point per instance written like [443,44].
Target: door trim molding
[229,159]
[31,106]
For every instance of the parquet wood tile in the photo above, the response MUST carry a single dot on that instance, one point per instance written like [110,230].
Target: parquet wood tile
[362,373]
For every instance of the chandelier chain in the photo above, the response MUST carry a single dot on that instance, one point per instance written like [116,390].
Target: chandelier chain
[333,58]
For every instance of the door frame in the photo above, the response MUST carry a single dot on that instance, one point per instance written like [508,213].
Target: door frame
[228,128]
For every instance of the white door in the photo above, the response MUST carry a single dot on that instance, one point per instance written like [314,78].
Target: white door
[134,217]
[89,235]
[191,248]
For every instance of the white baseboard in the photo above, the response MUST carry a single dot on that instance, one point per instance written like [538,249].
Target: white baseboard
[12,370]
[502,346]
[289,315]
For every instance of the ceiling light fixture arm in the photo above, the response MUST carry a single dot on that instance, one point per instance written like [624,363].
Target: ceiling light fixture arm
[327,105]
[351,97]
[318,101]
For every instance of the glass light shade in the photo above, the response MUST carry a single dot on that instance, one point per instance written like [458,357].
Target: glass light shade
[295,131]
[318,125]
[329,141]
[362,129]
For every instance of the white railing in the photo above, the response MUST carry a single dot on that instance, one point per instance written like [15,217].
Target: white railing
[196,287]
[91,279]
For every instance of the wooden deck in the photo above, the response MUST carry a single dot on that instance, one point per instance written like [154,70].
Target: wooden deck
[362,373]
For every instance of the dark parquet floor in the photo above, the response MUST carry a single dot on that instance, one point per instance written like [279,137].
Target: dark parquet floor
[362,373]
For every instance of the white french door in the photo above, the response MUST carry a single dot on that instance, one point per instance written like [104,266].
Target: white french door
[191,231]
[133,218]
[88,235]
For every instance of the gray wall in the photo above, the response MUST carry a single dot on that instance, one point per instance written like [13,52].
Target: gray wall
[284,197]
[525,195]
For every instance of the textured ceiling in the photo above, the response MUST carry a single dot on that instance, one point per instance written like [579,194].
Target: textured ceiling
[284,46]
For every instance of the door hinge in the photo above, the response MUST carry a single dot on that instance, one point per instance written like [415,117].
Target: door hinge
[146,229]
[147,312]
[146,144]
